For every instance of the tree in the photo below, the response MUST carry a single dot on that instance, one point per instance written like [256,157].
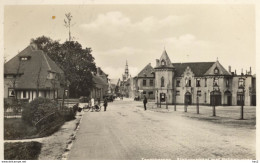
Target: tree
[76,62]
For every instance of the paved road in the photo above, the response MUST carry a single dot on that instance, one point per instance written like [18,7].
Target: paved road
[127,132]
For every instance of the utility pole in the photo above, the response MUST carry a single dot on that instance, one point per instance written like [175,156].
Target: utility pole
[67,23]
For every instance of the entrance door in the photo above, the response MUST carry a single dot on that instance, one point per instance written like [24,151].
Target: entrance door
[253,100]
[215,98]
[188,99]
[229,100]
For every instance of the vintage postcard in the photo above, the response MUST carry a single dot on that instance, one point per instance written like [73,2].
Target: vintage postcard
[129,81]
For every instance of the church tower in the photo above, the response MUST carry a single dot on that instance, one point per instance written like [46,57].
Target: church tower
[164,79]
[126,75]
[126,70]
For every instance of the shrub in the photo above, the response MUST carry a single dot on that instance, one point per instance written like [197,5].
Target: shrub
[68,113]
[43,113]
[37,109]
[22,151]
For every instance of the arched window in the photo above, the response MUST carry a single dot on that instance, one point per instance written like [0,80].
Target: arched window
[163,63]
[162,82]
[216,71]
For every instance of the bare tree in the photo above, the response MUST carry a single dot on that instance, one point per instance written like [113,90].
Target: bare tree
[67,23]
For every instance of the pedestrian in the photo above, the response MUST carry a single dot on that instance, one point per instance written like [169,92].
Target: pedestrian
[92,103]
[145,101]
[105,104]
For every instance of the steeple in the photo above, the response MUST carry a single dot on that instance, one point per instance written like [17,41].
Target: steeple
[126,70]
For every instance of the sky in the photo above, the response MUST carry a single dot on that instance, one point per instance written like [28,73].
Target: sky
[140,33]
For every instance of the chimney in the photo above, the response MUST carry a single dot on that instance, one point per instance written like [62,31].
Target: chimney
[98,71]
[149,64]
[34,46]
[157,62]
[250,73]
[242,72]
[229,69]
[235,72]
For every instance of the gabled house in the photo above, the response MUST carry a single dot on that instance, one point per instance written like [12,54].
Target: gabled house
[144,83]
[31,74]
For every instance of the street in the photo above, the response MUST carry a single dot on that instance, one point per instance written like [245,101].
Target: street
[127,132]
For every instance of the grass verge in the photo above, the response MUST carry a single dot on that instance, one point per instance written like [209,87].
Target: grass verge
[22,151]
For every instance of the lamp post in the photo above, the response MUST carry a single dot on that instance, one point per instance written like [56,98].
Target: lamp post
[157,98]
[215,88]
[175,101]
[166,99]
[198,104]
[242,96]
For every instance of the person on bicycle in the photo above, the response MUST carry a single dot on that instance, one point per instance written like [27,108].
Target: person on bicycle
[105,104]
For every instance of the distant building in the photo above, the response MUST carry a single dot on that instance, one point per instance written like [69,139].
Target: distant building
[101,84]
[32,71]
[124,83]
[188,82]
[144,83]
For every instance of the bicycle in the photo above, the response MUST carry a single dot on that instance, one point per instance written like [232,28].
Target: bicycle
[96,108]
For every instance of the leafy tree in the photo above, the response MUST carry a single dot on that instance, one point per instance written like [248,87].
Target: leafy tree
[76,62]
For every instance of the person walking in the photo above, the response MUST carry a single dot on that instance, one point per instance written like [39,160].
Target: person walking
[105,104]
[145,101]
[92,101]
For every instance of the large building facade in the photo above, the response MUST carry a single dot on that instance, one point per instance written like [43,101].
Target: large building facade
[205,83]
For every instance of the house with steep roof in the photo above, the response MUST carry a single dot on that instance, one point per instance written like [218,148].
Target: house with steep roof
[144,83]
[31,74]
[205,83]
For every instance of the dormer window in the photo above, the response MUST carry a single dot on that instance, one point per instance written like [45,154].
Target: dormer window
[216,71]
[51,75]
[163,63]
[25,58]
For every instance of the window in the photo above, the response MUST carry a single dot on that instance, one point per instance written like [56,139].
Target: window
[24,94]
[205,97]
[151,92]
[163,63]
[197,82]
[216,71]
[198,93]
[25,58]
[178,83]
[205,82]
[144,82]
[227,82]
[144,92]
[162,82]
[241,82]
[215,82]
[51,75]
[188,82]
[11,93]
[177,93]
[151,82]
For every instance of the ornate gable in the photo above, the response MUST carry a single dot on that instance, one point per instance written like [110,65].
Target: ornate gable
[164,61]
[217,70]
